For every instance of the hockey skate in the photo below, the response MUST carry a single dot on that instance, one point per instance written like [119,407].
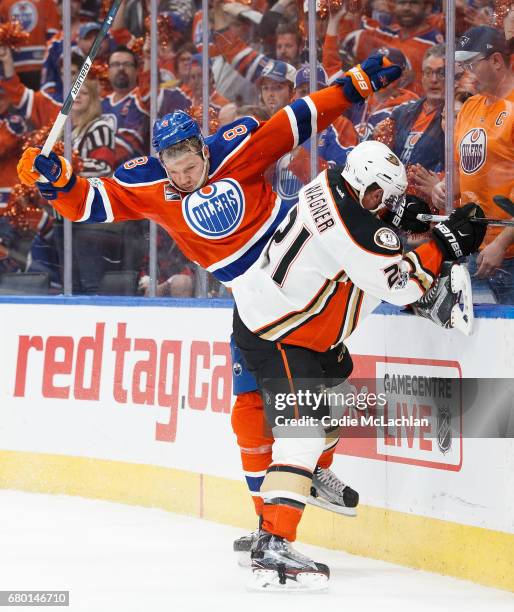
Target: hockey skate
[330,493]
[441,303]
[277,566]
[243,546]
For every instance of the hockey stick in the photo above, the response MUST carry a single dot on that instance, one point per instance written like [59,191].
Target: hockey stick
[438,218]
[57,127]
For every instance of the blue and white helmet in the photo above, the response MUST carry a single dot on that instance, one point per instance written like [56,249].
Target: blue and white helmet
[173,128]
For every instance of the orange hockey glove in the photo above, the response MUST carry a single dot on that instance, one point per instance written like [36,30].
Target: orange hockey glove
[33,165]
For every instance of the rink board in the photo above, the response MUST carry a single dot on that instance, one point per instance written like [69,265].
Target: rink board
[130,400]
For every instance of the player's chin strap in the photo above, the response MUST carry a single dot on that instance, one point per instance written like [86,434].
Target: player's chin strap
[449,301]
[201,181]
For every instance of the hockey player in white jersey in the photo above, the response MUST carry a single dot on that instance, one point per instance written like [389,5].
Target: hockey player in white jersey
[329,264]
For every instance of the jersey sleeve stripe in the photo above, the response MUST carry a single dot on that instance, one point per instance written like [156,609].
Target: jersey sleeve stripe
[294,125]
[240,56]
[314,114]
[109,215]
[89,202]
[302,114]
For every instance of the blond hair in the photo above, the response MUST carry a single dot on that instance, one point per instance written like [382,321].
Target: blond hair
[93,111]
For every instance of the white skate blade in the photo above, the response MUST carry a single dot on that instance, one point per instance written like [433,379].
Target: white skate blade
[326,505]
[462,318]
[268,581]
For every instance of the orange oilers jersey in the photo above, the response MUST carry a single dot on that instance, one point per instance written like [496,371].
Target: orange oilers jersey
[224,225]
[326,267]
[41,20]
[484,136]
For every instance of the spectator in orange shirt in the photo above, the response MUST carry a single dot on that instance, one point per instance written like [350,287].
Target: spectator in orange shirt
[484,136]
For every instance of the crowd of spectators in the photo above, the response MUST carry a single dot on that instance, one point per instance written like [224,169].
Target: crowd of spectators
[258,63]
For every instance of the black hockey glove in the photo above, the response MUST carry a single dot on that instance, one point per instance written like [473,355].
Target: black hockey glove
[459,236]
[405,217]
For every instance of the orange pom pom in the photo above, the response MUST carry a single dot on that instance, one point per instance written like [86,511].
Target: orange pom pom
[137,45]
[197,113]
[384,132]
[329,7]
[12,35]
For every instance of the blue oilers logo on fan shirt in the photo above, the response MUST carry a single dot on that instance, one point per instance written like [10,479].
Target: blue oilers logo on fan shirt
[473,150]
[216,210]
[26,13]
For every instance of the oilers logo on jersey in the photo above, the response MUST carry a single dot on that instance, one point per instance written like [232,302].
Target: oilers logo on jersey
[216,210]
[26,14]
[473,150]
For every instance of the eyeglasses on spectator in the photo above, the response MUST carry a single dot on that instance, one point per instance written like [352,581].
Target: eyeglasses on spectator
[439,74]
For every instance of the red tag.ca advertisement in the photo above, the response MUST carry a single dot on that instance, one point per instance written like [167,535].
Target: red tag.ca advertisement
[424,395]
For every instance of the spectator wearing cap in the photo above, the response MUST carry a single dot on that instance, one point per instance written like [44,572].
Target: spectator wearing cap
[40,19]
[417,135]
[279,85]
[125,108]
[251,65]
[276,83]
[484,146]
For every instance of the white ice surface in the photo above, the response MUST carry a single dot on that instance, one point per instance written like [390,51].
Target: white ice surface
[117,558]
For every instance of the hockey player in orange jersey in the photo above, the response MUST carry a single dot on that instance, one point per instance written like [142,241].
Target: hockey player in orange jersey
[326,267]
[210,195]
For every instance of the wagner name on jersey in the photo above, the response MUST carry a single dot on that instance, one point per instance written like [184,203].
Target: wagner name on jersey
[328,265]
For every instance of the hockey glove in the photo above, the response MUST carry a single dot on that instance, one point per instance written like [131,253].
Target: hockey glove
[32,165]
[376,72]
[459,236]
[405,217]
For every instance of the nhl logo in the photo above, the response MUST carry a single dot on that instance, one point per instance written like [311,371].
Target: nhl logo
[444,429]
